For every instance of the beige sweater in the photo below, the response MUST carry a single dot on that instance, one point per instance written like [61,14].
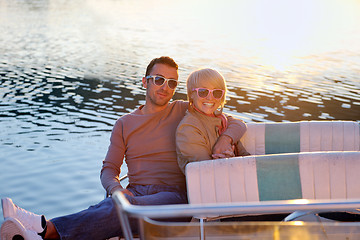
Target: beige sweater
[197,134]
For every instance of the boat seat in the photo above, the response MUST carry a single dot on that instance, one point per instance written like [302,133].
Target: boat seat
[304,136]
[317,175]
[250,184]
[254,185]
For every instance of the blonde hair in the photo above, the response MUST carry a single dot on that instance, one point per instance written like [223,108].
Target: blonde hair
[203,76]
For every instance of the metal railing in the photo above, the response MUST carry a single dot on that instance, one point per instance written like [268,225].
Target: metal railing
[126,209]
[107,194]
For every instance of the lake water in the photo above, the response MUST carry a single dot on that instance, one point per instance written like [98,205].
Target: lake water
[69,69]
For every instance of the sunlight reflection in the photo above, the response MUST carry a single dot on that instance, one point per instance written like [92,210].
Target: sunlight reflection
[283,30]
[299,201]
[297,223]
[276,34]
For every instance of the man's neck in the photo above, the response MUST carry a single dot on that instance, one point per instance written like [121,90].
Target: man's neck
[149,108]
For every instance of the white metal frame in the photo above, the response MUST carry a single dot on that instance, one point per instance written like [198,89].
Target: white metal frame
[125,209]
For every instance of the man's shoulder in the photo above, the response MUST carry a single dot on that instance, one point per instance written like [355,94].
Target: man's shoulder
[176,108]
[128,116]
[179,104]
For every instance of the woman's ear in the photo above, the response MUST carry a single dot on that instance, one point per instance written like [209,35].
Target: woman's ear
[190,101]
[144,82]
[191,98]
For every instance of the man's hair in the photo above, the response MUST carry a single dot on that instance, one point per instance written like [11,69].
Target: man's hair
[161,60]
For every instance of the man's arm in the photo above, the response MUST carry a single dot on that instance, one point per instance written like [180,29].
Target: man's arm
[224,145]
[114,159]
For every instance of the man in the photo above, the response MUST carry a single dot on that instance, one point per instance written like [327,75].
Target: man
[146,137]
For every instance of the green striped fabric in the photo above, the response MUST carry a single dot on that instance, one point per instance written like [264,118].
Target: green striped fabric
[282,138]
[278,177]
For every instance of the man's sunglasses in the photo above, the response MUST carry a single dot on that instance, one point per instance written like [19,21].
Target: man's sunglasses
[204,92]
[159,81]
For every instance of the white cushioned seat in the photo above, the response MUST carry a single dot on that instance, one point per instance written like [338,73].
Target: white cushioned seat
[303,136]
[317,175]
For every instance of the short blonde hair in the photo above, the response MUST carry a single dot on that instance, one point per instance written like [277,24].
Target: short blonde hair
[201,77]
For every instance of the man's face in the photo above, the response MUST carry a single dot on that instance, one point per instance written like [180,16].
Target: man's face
[160,95]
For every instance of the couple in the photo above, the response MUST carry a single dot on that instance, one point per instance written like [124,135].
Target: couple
[146,137]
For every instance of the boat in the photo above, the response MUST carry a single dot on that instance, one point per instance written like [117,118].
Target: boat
[306,172]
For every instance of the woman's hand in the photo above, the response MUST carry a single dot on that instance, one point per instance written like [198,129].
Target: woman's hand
[223,148]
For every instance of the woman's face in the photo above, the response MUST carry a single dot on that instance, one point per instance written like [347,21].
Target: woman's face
[207,104]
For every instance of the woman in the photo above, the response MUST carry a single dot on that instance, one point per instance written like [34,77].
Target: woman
[204,121]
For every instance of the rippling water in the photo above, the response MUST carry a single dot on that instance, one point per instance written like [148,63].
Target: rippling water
[69,69]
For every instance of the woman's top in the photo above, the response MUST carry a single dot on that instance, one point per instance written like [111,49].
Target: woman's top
[196,136]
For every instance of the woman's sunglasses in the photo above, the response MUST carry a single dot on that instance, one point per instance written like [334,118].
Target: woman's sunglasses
[159,81]
[204,92]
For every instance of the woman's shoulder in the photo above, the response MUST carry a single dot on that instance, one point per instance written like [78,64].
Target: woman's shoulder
[190,129]
[190,121]
[190,118]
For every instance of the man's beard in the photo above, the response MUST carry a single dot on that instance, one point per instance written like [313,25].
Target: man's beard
[159,102]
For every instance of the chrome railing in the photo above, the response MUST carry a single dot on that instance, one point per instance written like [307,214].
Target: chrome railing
[126,209]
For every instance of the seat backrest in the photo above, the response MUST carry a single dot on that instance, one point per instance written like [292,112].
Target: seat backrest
[303,136]
[317,175]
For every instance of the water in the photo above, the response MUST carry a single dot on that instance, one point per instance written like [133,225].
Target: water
[69,69]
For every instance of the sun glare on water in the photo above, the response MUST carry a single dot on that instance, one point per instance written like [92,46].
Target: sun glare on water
[282,30]
[276,34]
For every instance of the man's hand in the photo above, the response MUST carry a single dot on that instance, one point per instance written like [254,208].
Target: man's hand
[123,190]
[223,148]
[127,192]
